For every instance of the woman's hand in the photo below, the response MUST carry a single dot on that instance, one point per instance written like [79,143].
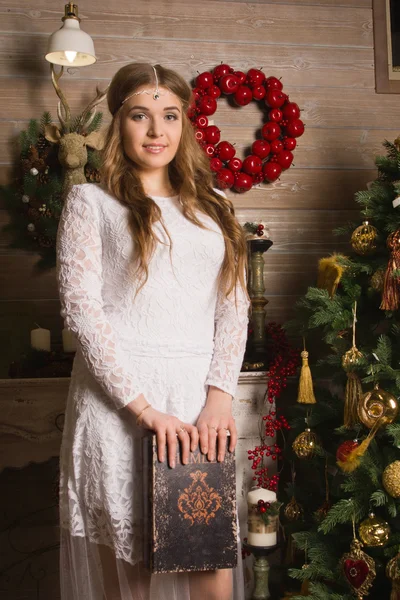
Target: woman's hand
[169,430]
[214,422]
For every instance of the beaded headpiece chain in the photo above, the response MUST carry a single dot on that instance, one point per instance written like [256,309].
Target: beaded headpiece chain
[156,93]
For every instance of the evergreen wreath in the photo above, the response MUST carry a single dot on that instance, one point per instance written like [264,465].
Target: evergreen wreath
[34,198]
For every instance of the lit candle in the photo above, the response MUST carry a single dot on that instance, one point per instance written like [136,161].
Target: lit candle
[69,341]
[40,339]
[259,533]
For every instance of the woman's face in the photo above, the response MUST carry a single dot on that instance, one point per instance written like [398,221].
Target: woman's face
[151,129]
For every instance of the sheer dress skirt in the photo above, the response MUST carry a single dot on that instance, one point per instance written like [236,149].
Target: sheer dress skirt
[101,492]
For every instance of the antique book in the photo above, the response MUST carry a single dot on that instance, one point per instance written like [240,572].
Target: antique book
[189,512]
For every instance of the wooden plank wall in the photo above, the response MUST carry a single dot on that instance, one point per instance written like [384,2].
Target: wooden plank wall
[322,50]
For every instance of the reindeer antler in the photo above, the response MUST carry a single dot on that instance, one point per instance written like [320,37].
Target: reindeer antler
[66,119]
[91,108]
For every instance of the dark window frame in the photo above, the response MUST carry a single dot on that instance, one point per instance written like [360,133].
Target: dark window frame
[387,81]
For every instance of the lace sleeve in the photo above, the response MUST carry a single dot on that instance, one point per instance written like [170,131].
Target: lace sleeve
[79,273]
[229,340]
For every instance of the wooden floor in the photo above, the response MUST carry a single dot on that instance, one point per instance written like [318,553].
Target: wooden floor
[29,533]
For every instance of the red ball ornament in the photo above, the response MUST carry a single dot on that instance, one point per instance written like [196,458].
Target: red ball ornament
[291,111]
[295,128]
[197,93]
[258,178]
[259,92]
[275,114]
[285,159]
[192,112]
[207,105]
[243,95]
[225,179]
[255,77]
[271,171]
[225,151]
[261,148]
[270,131]
[213,91]
[216,164]
[229,83]
[252,164]
[345,448]
[209,149]
[243,182]
[275,98]
[262,508]
[199,135]
[235,164]
[221,70]
[204,80]
[289,143]
[272,83]
[241,76]
[212,134]
[201,121]
[276,146]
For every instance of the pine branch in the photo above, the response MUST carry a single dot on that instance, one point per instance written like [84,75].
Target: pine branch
[379,498]
[341,512]
[45,120]
[393,430]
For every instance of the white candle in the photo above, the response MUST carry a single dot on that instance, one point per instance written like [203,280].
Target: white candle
[260,534]
[40,339]
[69,341]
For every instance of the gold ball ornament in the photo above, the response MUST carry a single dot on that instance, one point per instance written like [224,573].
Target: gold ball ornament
[374,531]
[364,238]
[377,404]
[305,443]
[391,479]
[351,359]
[293,510]
[377,280]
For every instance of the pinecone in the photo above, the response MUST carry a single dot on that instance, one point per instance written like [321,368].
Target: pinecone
[33,214]
[92,174]
[42,143]
[43,178]
[45,242]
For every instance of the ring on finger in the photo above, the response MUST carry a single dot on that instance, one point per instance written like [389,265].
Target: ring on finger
[212,427]
[182,429]
[222,428]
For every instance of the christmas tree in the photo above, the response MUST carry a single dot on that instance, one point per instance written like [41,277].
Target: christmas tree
[342,506]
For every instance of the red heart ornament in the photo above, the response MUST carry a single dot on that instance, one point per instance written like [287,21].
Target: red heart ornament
[356,572]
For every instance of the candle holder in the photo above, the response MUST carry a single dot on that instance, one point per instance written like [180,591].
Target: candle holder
[260,569]
[258,241]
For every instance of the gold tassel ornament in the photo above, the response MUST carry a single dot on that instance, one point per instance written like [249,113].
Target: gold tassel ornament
[329,273]
[306,388]
[353,392]
[391,296]
[393,573]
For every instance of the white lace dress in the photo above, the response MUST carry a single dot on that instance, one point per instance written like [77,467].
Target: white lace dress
[177,337]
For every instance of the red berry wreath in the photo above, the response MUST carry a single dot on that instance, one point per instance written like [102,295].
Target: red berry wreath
[270,155]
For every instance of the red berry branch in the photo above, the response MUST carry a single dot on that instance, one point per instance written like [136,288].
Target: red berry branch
[283,361]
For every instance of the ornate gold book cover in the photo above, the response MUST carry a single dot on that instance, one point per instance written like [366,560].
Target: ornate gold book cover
[190,512]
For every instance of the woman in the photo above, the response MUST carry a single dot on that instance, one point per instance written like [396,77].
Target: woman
[151,271]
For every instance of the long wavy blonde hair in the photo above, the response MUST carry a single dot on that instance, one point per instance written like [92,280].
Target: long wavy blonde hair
[189,174]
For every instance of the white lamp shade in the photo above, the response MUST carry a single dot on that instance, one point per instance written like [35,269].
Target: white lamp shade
[70,38]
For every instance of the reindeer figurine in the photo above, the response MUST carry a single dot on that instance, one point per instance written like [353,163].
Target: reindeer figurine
[72,153]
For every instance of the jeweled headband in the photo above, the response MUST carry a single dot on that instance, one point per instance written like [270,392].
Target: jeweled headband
[156,92]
